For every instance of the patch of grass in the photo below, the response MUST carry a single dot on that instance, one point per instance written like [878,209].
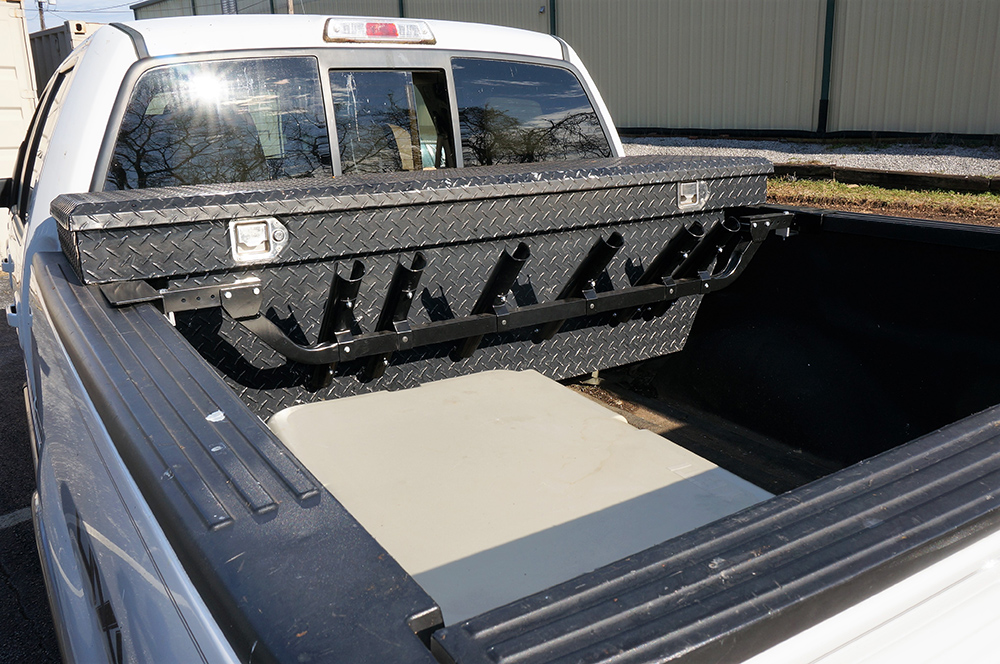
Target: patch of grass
[946,205]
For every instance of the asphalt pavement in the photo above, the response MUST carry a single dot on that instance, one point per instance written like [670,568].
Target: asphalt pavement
[26,632]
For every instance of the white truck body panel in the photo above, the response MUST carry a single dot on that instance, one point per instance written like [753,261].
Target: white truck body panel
[945,613]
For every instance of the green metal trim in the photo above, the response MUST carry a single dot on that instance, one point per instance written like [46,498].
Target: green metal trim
[824,95]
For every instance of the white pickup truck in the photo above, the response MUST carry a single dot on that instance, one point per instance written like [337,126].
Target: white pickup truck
[305,303]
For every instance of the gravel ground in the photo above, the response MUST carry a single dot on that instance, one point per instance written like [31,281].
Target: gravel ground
[917,158]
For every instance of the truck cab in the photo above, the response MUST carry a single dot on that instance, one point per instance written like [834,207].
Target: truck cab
[146,105]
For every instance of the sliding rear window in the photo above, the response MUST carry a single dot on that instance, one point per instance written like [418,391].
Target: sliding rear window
[392,120]
[222,121]
[516,112]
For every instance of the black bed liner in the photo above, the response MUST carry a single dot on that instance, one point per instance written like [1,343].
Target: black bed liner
[729,590]
[275,557]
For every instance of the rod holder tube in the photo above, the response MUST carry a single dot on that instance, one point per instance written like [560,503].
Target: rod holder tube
[727,249]
[338,316]
[583,278]
[494,295]
[703,253]
[399,297]
[669,259]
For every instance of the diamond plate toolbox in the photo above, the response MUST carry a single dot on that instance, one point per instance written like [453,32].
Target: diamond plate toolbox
[294,235]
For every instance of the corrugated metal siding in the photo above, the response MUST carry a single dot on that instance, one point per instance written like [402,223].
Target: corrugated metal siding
[342,7]
[256,6]
[513,13]
[202,7]
[702,64]
[916,66]
[925,66]
[164,8]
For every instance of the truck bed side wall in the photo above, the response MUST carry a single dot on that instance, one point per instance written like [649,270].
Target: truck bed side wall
[850,341]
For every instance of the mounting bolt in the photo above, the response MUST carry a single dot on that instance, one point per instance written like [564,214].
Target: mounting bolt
[278,235]
[347,349]
[767,223]
[753,225]
[591,305]
[229,295]
[671,291]
[256,291]
[405,339]
[503,322]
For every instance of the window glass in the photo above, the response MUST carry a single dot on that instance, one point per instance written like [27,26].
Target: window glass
[514,112]
[224,121]
[392,120]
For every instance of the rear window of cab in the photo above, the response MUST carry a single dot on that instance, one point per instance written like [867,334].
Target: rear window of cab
[265,119]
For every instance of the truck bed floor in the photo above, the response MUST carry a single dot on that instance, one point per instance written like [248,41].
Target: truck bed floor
[768,463]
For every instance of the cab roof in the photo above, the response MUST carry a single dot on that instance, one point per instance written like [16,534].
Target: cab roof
[196,34]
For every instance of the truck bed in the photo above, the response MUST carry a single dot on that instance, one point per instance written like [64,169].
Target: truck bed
[811,371]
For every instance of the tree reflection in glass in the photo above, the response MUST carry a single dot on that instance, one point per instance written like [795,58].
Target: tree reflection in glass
[515,112]
[376,122]
[227,121]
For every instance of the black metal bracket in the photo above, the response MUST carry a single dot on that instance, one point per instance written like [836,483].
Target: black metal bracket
[693,262]
[242,298]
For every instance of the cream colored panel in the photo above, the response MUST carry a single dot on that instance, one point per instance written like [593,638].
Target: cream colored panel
[916,66]
[17,86]
[500,484]
[702,64]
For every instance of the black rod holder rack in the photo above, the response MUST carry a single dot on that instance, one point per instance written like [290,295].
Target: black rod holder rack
[338,318]
[694,261]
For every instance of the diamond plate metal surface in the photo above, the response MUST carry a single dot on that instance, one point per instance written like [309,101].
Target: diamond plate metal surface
[450,285]
[150,252]
[461,221]
[173,232]
[169,205]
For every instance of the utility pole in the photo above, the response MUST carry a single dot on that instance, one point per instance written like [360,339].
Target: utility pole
[41,13]
[291,7]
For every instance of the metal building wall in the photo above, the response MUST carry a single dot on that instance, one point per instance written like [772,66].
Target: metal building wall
[702,64]
[927,66]
[513,13]
[163,8]
[342,7]
[923,66]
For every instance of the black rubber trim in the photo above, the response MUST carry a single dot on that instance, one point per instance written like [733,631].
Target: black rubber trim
[279,562]
[562,42]
[138,43]
[734,588]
